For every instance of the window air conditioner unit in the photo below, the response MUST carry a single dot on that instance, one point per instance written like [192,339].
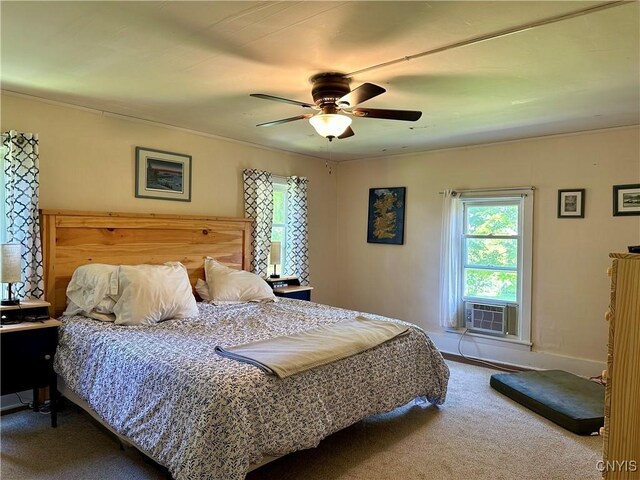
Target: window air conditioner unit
[492,319]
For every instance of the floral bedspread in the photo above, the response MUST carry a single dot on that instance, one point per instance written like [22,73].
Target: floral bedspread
[208,417]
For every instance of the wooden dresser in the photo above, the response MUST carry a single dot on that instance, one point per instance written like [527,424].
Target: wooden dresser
[621,431]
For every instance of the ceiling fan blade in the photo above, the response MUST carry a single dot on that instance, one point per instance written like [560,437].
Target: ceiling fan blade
[407,115]
[285,120]
[364,92]
[347,133]
[280,99]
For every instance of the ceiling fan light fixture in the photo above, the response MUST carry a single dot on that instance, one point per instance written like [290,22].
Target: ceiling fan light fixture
[330,124]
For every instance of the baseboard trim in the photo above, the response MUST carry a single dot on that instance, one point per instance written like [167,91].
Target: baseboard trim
[12,403]
[503,353]
[13,409]
[482,363]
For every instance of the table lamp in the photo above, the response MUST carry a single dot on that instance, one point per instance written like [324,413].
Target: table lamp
[10,268]
[274,254]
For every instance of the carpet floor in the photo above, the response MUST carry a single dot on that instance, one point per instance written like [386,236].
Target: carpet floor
[477,434]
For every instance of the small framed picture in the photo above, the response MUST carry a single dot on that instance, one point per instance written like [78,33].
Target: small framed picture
[163,175]
[571,203]
[626,199]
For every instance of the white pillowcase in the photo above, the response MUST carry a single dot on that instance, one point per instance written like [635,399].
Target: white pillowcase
[228,286]
[152,293]
[73,309]
[202,289]
[92,290]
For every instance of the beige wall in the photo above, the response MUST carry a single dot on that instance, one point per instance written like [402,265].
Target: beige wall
[570,287]
[87,163]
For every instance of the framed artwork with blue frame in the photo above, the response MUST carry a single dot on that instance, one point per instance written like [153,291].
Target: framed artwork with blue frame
[386,215]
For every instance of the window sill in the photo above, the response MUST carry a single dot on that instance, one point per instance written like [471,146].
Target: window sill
[491,339]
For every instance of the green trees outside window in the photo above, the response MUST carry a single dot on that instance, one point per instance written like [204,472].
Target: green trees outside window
[490,249]
[279,227]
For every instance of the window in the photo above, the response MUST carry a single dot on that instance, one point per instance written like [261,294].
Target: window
[3,212]
[495,246]
[490,250]
[279,228]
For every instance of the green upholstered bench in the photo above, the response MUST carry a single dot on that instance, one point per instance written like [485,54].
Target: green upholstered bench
[572,402]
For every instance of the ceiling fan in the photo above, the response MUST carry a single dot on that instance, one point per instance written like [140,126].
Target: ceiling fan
[335,103]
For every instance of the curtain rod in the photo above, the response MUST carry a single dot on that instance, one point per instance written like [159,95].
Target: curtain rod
[500,189]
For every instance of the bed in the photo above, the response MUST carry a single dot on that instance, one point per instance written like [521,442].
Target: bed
[164,390]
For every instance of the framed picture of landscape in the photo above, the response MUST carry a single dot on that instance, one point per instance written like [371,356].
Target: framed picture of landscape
[163,175]
[386,215]
[571,203]
[626,199]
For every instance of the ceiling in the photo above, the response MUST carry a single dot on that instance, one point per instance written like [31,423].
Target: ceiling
[194,64]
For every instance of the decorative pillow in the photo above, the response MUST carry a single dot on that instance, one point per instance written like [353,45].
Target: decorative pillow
[227,285]
[92,289]
[202,289]
[152,293]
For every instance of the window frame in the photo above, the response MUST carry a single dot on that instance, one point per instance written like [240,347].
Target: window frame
[280,185]
[463,249]
[3,210]
[3,190]
[524,200]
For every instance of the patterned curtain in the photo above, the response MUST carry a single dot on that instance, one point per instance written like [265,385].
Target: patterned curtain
[22,185]
[297,259]
[258,204]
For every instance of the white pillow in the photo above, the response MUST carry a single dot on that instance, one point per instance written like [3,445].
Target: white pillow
[92,289]
[228,286]
[202,289]
[73,309]
[152,293]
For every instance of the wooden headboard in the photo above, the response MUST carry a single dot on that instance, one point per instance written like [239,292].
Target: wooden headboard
[74,238]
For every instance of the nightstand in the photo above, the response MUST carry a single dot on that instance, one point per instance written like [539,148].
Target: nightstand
[27,349]
[289,287]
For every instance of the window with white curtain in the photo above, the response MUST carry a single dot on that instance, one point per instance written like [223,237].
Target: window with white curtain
[488,251]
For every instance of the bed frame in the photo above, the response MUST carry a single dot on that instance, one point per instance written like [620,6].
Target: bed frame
[74,238]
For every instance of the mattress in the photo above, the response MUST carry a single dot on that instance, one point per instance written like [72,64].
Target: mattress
[208,417]
[572,402]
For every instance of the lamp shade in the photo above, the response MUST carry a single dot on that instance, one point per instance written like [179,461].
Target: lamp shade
[10,263]
[275,253]
[330,124]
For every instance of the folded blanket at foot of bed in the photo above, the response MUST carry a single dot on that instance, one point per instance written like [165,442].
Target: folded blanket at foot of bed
[287,355]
